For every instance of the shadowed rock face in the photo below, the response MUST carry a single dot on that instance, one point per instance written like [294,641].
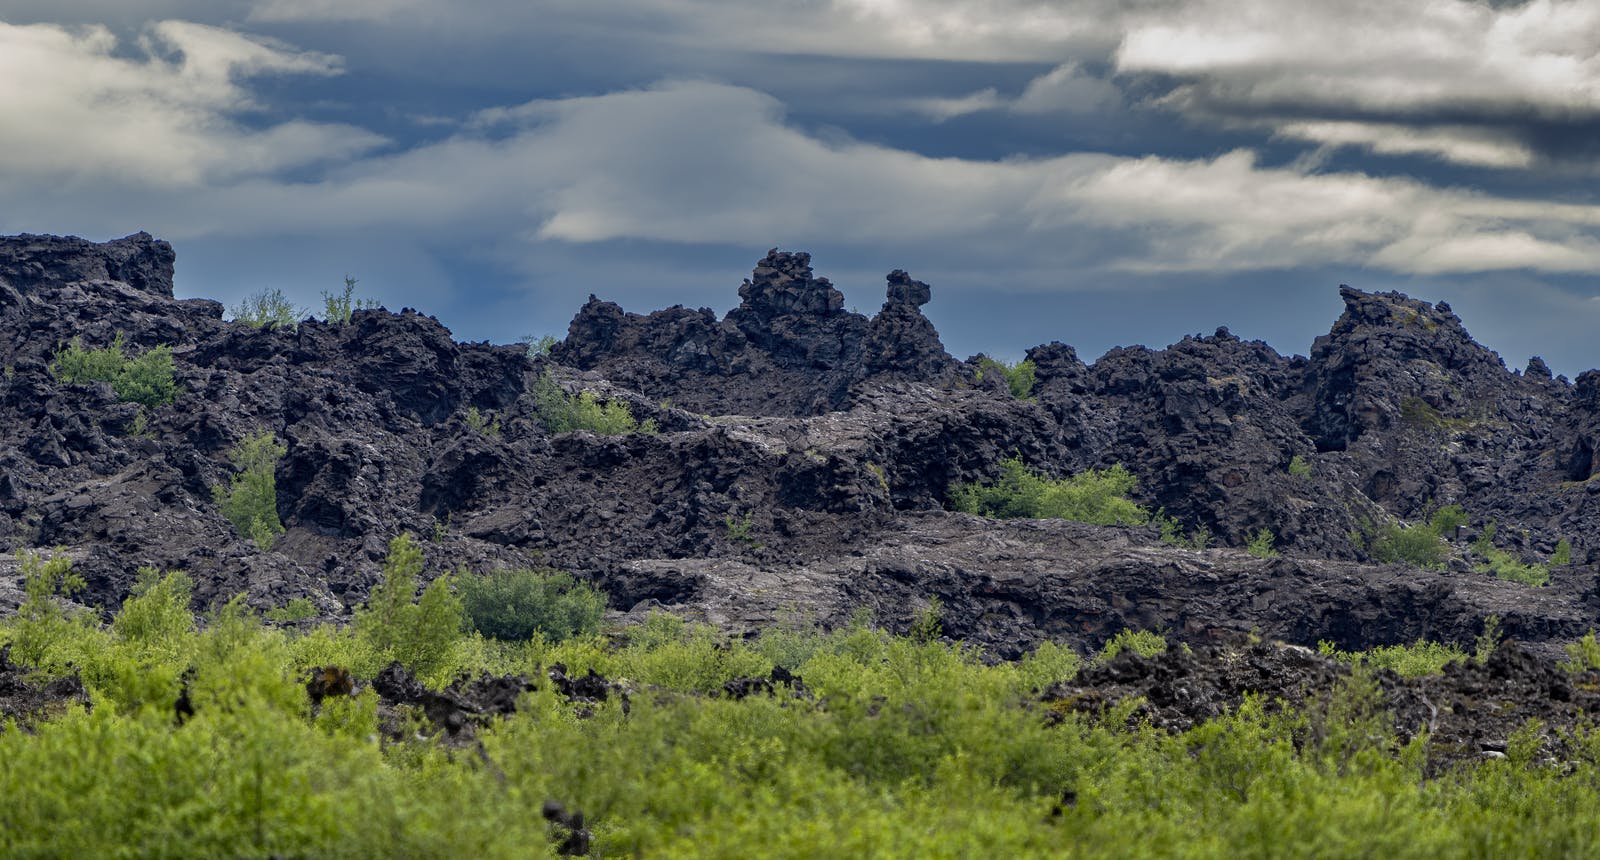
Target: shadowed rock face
[836,437]
[788,349]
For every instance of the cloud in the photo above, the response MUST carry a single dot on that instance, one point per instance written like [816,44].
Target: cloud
[706,163]
[1462,81]
[80,113]
[1066,89]
[331,10]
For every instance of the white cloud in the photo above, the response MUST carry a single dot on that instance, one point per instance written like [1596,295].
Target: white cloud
[1067,89]
[79,113]
[941,109]
[695,162]
[1460,144]
[332,10]
[1306,67]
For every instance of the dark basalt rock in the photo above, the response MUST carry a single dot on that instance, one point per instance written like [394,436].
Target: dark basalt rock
[805,459]
[789,344]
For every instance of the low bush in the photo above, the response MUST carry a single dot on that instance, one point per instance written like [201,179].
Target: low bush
[268,308]
[518,604]
[147,379]
[1145,643]
[561,412]
[1020,377]
[1412,661]
[1097,496]
[250,501]
[1261,544]
[338,308]
[1504,565]
[1422,545]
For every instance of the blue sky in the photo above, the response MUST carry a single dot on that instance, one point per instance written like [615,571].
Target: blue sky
[1097,172]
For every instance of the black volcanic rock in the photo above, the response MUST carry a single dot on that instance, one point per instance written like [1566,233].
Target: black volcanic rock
[805,456]
[140,261]
[789,343]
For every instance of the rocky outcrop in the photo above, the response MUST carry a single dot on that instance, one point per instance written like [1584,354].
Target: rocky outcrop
[790,344]
[805,457]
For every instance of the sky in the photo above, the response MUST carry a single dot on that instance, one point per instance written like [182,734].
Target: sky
[1098,172]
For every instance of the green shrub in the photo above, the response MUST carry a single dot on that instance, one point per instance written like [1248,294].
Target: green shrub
[520,603]
[1506,566]
[1412,661]
[1562,556]
[1172,533]
[1583,655]
[1260,545]
[1503,564]
[480,424]
[1020,377]
[1097,496]
[419,632]
[298,609]
[539,346]
[338,308]
[1145,643]
[268,307]
[1299,467]
[1414,545]
[42,625]
[147,379]
[250,501]
[561,412]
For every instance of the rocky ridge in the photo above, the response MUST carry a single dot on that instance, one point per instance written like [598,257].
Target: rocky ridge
[836,437]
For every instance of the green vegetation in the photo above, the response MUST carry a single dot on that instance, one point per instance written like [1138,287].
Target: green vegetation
[1172,533]
[1416,660]
[1299,467]
[250,501]
[1583,655]
[1097,496]
[268,308]
[1562,556]
[1142,642]
[739,530]
[1421,545]
[339,308]
[519,604]
[397,625]
[478,423]
[1261,544]
[1020,377]
[561,412]
[1506,566]
[912,747]
[298,609]
[146,379]
[539,346]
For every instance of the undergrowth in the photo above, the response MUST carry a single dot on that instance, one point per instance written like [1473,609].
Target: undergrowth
[909,747]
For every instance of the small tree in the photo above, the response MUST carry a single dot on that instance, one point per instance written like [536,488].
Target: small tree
[421,634]
[250,501]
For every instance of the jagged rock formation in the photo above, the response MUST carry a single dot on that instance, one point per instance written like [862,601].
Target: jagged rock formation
[790,344]
[834,436]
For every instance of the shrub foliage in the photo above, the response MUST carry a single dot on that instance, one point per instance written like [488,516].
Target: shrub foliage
[1097,496]
[146,379]
[250,501]
[561,412]
[910,747]
[518,604]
